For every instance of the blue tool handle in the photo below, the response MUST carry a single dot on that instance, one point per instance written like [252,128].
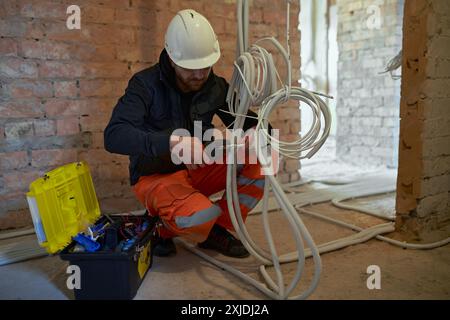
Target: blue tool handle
[129,244]
[145,225]
[99,228]
[89,244]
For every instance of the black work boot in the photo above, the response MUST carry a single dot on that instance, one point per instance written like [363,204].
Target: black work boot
[221,240]
[164,247]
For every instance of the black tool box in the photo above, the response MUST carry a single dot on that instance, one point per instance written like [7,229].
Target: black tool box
[112,274]
[109,256]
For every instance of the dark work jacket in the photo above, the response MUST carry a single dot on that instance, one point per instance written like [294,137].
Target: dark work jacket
[151,109]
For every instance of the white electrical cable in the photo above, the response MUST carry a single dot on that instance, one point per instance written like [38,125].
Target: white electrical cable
[393,65]
[254,83]
[405,245]
[337,202]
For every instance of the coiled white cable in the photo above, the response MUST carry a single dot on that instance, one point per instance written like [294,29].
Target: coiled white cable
[254,83]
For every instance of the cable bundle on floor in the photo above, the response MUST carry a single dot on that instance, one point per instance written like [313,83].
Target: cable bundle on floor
[254,83]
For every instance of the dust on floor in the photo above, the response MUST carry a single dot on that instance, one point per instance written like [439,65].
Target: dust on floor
[405,274]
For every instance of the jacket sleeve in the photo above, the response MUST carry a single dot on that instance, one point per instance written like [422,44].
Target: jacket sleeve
[124,133]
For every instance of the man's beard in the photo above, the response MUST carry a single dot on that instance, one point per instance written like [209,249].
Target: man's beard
[194,85]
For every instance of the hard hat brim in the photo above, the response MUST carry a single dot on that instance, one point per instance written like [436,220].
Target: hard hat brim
[201,63]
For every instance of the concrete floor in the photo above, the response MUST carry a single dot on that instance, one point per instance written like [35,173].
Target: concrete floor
[405,274]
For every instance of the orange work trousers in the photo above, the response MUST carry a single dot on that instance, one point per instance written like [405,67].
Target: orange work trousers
[181,200]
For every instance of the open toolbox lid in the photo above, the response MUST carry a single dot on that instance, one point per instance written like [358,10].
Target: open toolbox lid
[62,204]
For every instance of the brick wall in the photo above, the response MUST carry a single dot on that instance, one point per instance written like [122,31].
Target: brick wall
[368,103]
[58,86]
[423,187]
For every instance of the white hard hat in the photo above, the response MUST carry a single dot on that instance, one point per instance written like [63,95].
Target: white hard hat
[191,42]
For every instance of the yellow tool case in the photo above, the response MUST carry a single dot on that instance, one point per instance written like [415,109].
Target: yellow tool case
[110,254]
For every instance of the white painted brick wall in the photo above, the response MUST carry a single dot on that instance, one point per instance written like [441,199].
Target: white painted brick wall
[368,103]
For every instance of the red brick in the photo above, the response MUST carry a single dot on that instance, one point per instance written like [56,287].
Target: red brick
[106,70]
[288,113]
[260,30]
[153,5]
[97,88]
[256,15]
[112,172]
[295,127]
[56,69]
[122,4]
[42,9]
[43,49]
[89,13]
[283,177]
[220,9]
[55,157]
[94,123]
[97,106]
[163,19]
[9,9]
[227,43]
[290,137]
[59,31]
[294,176]
[292,165]
[13,27]
[97,140]
[96,157]
[177,5]
[12,200]
[118,205]
[37,29]
[13,160]
[18,68]
[21,109]
[262,4]
[63,107]
[65,89]
[218,24]
[225,72]
[134,17]
[108,189]
[67,126]
[159,38]
[30,88]
[88,52]
[136,67]
[15,130]
[118,38]
[107,34]
[120,86]
[138,53]
[8,47]
[281,125]
[227,57]
[14,219]
[44,128]
[101,157]
[19,180]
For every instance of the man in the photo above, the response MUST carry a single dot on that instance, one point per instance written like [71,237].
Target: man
[180,89]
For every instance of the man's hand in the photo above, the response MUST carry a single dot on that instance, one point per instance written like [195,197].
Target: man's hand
[189,150]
